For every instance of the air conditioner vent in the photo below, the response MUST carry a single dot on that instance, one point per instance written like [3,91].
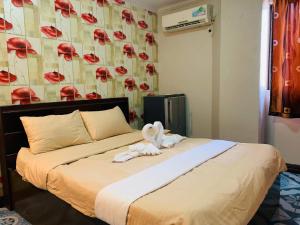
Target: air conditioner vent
[184,25]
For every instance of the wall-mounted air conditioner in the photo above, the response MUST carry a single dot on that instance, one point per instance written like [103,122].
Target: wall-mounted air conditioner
[190,18]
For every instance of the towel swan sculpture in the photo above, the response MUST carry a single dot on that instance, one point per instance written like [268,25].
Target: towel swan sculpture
[154,135]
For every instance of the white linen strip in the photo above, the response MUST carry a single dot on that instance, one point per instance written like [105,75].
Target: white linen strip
[112,202]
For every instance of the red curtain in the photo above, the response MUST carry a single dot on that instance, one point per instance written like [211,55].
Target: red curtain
[285,85]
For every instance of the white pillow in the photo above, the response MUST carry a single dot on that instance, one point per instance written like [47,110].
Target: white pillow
[53,132]
[105,124]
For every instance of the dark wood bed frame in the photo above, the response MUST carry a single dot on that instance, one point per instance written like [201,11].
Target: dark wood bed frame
[13,137]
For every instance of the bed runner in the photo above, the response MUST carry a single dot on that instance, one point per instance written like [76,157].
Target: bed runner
[113,202]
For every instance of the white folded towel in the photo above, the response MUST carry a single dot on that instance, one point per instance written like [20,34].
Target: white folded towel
[168,141]
[160,136]
[137,150]
[154,133]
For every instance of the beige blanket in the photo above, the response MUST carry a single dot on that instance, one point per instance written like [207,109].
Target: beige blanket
[225,190]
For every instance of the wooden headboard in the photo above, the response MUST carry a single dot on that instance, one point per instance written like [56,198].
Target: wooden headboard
[12,134]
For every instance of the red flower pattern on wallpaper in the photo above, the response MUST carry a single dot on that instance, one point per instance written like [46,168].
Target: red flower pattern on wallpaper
[142,24]
[102,3]
[51,31]
[129,51]
[132,115]
[21,46]
[101,36]
[67,50]
[128,16]
[121,70]
[5,25]
[150,69]
[130,84]
[54,77]
[144,56]
[91,58]
[89,18]
[103,74]
[69,93]
[66,8]
[20,3]
[24,96]
[120,2]
[6,77]
[144,87]
[150,39]
[119,35]
[93,96]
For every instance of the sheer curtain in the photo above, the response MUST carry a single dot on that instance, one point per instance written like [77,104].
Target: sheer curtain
[285,83]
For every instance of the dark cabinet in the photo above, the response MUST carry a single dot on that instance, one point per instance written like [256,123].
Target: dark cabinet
[169,109]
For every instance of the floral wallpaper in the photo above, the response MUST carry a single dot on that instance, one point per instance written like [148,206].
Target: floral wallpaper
[65,50]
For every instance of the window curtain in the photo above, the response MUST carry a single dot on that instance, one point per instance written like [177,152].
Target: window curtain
[285,83]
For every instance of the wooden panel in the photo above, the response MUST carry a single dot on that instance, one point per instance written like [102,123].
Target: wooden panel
[13,142]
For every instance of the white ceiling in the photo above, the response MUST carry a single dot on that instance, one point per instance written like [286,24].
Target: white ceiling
[154,5]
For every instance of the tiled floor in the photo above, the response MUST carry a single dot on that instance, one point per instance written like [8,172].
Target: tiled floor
[287,210]
[11,218]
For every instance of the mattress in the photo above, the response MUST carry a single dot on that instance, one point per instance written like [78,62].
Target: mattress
[227,189]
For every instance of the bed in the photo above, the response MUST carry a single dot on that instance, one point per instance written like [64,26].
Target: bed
[227,189]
